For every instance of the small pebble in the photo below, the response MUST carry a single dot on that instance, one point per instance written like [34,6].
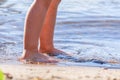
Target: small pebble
[8,76]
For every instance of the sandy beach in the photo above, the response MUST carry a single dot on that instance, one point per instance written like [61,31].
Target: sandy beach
[90,30]
[53,72]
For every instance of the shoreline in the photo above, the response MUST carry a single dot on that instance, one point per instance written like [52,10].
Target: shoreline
[54,72]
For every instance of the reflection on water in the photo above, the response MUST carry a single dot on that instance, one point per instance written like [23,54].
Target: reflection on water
[88,29]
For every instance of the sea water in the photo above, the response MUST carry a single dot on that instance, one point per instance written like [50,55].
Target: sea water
[88,29]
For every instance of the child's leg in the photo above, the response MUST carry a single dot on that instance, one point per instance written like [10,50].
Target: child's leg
[33,24]
[46,35]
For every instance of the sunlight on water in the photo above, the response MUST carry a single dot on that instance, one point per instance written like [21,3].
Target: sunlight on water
[89,29]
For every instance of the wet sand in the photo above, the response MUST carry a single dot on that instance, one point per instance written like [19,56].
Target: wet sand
[91,32]
[53,72]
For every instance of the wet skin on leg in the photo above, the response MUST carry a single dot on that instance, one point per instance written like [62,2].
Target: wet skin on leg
[33,25]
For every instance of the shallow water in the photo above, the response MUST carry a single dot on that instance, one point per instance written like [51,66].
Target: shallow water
[88,29]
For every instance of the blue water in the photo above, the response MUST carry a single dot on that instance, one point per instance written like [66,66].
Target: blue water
[88,29]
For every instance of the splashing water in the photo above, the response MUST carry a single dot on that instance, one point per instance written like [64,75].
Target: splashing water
[88,29]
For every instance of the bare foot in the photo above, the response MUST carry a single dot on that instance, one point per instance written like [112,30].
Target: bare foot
[31,57]
[54,52]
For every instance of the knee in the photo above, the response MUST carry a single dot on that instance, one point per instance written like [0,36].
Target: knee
[43,3]
[57,2]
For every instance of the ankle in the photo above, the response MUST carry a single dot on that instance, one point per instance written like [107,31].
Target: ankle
[46,49]
[27,53]
[30,51]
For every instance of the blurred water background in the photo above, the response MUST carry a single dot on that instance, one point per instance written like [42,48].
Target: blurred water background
[89,29]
